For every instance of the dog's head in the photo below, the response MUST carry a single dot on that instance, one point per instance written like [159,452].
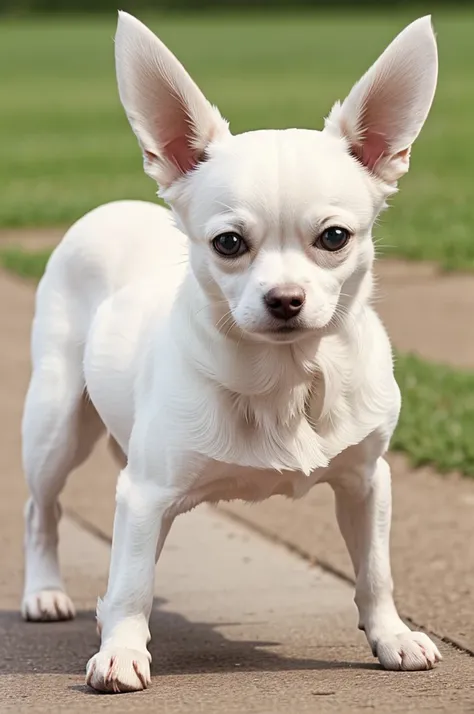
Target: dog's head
[279,221]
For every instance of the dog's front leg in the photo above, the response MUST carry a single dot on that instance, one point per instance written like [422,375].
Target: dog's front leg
[364,505]
[140,527]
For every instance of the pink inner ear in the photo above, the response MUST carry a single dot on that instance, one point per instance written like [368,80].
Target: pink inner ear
[374,146]
[180,153]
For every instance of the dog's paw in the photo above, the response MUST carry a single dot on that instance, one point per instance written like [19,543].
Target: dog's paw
[407,651]
[119,670]
[47,606]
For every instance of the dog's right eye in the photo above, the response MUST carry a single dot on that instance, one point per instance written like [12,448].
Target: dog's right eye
[230,245]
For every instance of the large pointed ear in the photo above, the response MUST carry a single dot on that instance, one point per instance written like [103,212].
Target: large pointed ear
[386,109]
[173,121]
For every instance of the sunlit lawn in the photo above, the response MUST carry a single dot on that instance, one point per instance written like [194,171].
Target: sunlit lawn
[65,145]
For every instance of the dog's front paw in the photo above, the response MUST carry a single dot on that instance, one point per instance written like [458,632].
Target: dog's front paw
[119,670]
[407,651]
[47,606]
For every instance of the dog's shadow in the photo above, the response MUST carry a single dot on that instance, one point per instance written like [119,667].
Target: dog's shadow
[179,646]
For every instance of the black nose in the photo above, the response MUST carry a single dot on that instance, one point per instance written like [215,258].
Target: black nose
[285,302]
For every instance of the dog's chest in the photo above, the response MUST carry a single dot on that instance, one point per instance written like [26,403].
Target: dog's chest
[234,460]
[218,481]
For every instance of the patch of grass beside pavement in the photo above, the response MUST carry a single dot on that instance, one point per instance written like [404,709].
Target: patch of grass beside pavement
[437,421]
[26,264]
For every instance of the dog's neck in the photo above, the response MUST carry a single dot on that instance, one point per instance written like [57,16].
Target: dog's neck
[268,382]
[285,407]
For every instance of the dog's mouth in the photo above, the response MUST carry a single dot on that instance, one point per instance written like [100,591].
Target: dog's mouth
[285,329]
[284,333]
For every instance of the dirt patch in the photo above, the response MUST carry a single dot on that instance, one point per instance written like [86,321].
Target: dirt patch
[427,312]
[31,238]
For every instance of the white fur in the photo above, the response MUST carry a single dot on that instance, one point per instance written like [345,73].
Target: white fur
[149,335]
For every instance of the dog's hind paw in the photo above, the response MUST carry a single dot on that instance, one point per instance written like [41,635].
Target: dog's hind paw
[47,606]
[118,670]
[407,651]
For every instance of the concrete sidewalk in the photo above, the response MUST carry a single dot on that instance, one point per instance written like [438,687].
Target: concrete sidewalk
[241,623]
[427,311]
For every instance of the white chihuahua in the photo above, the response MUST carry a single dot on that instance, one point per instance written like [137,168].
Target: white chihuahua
[228,348]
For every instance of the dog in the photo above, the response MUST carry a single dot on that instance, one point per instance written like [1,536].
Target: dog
[228,347]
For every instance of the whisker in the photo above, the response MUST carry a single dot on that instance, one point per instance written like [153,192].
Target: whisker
[232,324]
[210,304]
[222,322]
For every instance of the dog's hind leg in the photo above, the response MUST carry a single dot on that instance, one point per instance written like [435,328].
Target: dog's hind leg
[60,428]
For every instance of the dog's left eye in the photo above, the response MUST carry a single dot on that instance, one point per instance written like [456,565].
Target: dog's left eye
[333,238]
[230,245]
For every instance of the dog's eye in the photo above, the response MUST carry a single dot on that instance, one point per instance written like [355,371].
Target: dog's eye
[230,245]
[333,238]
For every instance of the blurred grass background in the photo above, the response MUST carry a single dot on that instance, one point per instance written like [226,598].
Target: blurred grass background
[66,145]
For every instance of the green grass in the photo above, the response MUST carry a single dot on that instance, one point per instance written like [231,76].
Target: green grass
[66,146]
[24,263]
[437,420]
